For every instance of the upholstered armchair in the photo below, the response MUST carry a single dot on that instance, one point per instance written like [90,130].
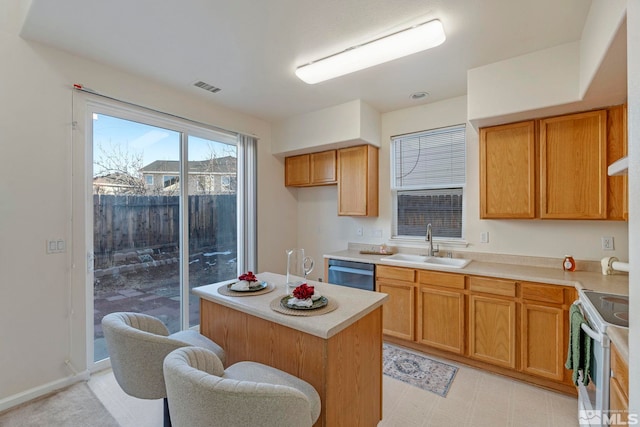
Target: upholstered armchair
[202,393]
[137,345]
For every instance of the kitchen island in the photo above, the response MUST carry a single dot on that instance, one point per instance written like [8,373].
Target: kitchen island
[339,352]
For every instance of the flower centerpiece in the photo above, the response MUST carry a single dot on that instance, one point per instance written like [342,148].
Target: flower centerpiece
[246,282]
[303,296]
[248,276]
[303,291]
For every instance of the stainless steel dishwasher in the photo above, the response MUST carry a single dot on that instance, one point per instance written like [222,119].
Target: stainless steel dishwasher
[360,275]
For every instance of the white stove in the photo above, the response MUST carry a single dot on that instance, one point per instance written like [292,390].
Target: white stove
[607,309]
[601,310]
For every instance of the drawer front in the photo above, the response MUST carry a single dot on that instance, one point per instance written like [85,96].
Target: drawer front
[544,293]
[396,273]
[492,286]
[445,280]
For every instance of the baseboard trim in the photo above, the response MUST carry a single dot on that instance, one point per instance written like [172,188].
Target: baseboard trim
[27,395]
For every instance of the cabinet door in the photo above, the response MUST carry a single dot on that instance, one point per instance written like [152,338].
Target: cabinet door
[441,319]
[492,330]
[358,181]
[296,171]
[573,166]
[399,311]
[618,404]
[542,340]
[508,171]
[323,168]
[617,203]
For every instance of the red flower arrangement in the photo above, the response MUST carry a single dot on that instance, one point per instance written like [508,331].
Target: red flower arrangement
[303,291]
[248,276]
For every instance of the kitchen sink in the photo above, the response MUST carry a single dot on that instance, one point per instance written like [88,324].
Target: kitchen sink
[426,261]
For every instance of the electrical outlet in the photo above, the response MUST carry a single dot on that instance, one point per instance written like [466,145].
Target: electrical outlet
[359,231]
[607,243]
[484,237]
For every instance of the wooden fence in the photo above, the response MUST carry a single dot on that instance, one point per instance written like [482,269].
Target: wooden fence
[130,222]
[444,212]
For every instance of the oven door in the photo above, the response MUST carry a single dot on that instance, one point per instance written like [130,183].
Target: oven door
[593,399]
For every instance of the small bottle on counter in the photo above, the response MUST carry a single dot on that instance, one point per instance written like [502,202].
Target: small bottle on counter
[569,264]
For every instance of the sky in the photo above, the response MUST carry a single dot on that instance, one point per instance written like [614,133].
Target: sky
[111,134]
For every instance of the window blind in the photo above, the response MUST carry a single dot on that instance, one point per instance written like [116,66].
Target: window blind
[430,159]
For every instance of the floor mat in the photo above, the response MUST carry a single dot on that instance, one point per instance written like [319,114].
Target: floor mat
[418,370]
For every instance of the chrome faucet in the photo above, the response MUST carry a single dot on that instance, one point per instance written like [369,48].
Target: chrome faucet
[429,238]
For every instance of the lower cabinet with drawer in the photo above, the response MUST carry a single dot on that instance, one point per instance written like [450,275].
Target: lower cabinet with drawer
[398,313]
[492,321]
[544,330]
[441,311]
[513,328]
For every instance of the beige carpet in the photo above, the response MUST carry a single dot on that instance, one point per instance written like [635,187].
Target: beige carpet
[75,406]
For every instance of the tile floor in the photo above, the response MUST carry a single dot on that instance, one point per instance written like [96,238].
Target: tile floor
[476,398]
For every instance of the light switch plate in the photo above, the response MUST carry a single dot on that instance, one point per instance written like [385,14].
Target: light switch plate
[484,237]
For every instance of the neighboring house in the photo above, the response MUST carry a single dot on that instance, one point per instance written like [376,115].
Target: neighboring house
[117,183]
[213,176]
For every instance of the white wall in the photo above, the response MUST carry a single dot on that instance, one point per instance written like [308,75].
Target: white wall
[320,230]
[600,28]
[37,291]
[524,83]
[633,80]
[351,123]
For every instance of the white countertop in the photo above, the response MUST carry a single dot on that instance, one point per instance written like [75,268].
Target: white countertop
[354,304]
[617,283]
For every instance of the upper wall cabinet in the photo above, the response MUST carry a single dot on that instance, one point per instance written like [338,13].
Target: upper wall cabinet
[358,181]
[573,166]
[508,171]
[617,186]
[554,168]
[310,169]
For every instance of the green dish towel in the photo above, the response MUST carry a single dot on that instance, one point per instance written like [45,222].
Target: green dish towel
[579,354]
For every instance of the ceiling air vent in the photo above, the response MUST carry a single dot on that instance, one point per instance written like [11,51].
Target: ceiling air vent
[207,87]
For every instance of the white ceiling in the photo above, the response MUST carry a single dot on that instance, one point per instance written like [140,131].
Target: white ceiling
[250,48]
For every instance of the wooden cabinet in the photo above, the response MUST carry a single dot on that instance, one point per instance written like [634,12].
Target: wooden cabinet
[544,329]
[542,340]
[492,321]
[358,181]
[573,166]
[619,387]
[513,328]
[398,313]
[441,311]
[508,171]
[617,186]
[297,171]
[311,169]
[554,168]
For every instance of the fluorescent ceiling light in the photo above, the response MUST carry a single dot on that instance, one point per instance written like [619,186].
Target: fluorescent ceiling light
[406,42]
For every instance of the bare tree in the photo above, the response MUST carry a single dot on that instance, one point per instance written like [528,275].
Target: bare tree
[117,170]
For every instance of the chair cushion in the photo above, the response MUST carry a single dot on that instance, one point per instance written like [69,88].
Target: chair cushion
[191,337]
[251,371]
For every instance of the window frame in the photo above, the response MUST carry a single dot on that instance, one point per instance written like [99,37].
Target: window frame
[84,106]
[453,241]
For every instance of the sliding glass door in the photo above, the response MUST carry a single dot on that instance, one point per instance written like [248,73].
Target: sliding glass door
[164,203]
